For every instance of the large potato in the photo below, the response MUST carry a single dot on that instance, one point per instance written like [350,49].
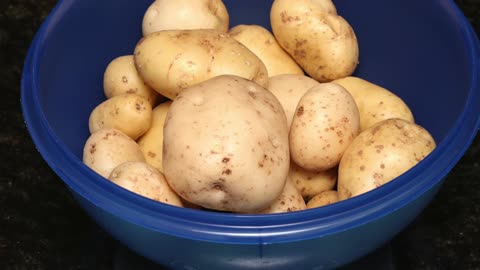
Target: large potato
[311,183]
[289,201]
[380,154]
[129,113]
[171,61]
[105,149]
[151,143]
[185,14]
[289,89]
[226,145]
[145,180]
[325,123]
[374,103]
[319,40]
[261,42]
[121,77]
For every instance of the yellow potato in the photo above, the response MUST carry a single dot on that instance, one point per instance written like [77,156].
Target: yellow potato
[226,145]
[322,199]
[321,42]
[105,149]
[121,77]
[185,14]
[325,123]
[289,89]
[171,61]
[151,143]
[380,154]
[311,183]
[129,113]
[289,201]
[145,180]
[374,103]
[261,42]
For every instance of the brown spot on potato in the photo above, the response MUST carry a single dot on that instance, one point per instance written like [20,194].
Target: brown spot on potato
[225,160]
[362,168]
[151,154]
[131,91]
[300,111]
[379,148]
[287,19]
[382,166]
[124,79]
[227,172]
[299,53]
[138,107]
[93,148]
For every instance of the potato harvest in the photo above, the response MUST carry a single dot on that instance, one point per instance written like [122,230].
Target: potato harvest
[206,115]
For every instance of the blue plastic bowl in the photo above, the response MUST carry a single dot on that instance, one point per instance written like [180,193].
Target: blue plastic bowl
[424,51]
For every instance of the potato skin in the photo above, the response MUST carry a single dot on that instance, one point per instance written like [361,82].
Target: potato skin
[325,123]
[311,183]
[121,77]
[145,180]
[321,42]
[375,103]
[289,201]
[261,42]
[151,143]
[289,89]
[105,149]
[185,14]
[234,157]
[171,61]
[129,113]
[380,154]
[323,199]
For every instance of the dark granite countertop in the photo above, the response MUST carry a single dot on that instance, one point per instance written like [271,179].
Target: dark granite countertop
[41,227]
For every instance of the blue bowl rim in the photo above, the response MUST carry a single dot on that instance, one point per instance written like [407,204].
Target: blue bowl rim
[243,228]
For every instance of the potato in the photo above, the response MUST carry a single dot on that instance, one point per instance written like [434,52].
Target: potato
[105,149]
[233,155]
[145,180]
[121,77]
[289,89]
[185,14]
[374,103]
[380,154]
[171,61]
[261,42]
[322,199]
[319,40]
[311,183]
[129,113]
[151,143]
[325,123]
[289,201]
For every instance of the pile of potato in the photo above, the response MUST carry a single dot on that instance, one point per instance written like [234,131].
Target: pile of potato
[211,117]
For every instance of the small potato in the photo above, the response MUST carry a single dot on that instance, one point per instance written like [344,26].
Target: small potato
[374,103]
[151,143]
[234,154]
[325,123]
[289,201]
[311,183]
[145,180]
[321,42]
[185,14]
[261,42]
[129,113]
[289,89]
[322,199]
[105,149]
[121,77]
[380,154]
[171,61]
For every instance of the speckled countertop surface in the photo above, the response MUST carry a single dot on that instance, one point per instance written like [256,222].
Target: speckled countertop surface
[41,227]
